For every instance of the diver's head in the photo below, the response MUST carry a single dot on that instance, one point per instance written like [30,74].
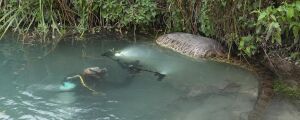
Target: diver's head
[94,72]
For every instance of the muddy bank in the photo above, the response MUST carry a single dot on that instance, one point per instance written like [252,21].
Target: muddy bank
[287,70]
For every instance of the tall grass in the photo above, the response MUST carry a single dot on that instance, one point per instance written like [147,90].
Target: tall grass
[51,17]
[233,22]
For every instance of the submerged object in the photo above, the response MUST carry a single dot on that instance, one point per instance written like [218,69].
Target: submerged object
[109,53]
[66,86]
[133,67]
[160,76]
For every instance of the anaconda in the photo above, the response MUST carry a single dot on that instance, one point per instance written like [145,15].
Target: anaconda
[178,42]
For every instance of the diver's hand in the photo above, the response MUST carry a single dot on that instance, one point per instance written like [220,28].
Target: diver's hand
[75,76]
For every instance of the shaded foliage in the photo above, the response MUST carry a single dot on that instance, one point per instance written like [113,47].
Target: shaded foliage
[58,16]
[286,90]
[246,27]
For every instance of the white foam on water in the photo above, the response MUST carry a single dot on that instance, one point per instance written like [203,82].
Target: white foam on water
[4,116]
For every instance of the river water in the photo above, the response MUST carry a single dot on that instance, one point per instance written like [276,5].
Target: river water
[192,89]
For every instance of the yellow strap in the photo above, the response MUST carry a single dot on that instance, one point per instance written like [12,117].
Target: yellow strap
[82,82]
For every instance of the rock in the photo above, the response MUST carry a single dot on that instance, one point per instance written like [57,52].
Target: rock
[191,45]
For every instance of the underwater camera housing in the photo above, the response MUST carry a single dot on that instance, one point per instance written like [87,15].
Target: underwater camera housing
[160,76]
[109,53]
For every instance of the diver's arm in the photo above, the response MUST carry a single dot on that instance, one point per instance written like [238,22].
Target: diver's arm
[75,76]
[81,80]
[70,79]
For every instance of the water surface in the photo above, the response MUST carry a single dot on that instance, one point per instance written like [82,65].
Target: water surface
[192,90]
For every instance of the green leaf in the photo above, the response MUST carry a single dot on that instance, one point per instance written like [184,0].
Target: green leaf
[277,37]
[261,16]
[292,24]
[276,25]
[280,9]
[242,44]
[290,12]
[298,5]
[258,29]
[296,30]
[248,51]
[273,17]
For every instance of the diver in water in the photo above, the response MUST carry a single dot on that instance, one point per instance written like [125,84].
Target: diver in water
[91,79]
[88,80]
[93,76]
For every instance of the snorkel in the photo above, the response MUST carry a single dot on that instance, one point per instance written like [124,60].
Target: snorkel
[134,67]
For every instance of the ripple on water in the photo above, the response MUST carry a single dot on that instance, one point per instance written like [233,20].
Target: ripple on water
[28,94]
[33,117]
[9,102]
[4,116]
[2,98]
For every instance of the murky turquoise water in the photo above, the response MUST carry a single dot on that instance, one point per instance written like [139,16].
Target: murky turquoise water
[192,90]
[283,109]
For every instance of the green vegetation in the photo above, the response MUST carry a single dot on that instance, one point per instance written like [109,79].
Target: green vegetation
[246,27]
[286,90]
[279,26]
[49,17]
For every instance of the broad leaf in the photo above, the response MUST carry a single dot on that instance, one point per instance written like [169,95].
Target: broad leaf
[298,5]
[296,30]
[261,16]
[290,12]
